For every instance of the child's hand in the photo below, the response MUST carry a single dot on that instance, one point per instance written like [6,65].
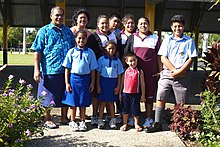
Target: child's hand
[177,73]
[68,88]
[91,87]
[98,89]
[143,99]
[116,90]
[120,97]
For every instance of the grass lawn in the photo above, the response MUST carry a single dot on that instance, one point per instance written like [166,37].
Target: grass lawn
[15,58]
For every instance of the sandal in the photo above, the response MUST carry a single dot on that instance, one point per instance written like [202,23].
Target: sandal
[124,128]
[50,125]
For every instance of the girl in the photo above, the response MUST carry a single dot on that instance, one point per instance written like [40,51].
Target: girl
[80,64]
[97,42]
[80,21]
[128,23]
[146,45]
[108,82]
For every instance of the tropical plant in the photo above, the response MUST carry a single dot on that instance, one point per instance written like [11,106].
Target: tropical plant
[20,113]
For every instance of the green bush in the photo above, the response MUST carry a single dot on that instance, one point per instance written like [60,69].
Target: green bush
[210,100]
[20,114]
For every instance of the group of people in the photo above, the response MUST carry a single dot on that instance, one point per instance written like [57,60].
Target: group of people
[114,68]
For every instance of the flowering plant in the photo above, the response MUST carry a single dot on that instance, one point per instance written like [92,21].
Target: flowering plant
[20,113]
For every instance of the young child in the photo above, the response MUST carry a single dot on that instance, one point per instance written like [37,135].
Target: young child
[177,52]
[80,64]
[145,45]
[97,42]
[131,80]
[108,82]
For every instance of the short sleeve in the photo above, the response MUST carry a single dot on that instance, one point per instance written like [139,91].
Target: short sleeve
[120,67]
[39,42]
[67,63]
[192,49]
[163,51]
[93,62]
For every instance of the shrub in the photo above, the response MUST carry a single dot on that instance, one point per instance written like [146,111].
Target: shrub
[210,99]
[185,122]
[20,113]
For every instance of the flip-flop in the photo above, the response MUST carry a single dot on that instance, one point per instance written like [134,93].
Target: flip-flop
[50,125]
[124,128]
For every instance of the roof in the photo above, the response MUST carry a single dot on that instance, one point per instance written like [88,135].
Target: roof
[35,13]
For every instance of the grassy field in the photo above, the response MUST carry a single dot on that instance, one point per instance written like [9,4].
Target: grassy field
[15,58]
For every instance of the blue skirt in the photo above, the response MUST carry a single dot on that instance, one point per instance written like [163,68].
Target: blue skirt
[80,96]
[51,88]
[108,86]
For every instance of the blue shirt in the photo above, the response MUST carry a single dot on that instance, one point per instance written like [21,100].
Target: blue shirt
[178,51]
[116,31]
[53,45]
[80,61]
[110,67]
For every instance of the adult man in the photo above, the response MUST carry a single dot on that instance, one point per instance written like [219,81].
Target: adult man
[51,45]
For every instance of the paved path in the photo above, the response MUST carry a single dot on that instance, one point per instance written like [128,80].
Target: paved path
[64,137]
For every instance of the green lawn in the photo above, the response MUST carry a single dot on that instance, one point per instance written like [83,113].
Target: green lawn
[15,58]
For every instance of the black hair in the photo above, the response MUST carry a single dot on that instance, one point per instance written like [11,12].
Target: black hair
[177,18]
[143,17]
[115,15]
[102,16]
[81,31]
[77,12]
[130,54]
[111,42]
[127,17]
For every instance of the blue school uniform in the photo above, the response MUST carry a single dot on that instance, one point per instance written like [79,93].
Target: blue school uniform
[109,69]
[81,62]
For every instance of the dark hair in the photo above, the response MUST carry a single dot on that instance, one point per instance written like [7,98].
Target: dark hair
[127,17]
[77,12]
[115,15]
[143,17]
[130,54]
[177,18]
[81,31]
[111,42]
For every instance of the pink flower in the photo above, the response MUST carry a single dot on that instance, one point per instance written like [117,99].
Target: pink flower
[28,132]
[21,81]
[43,93]
[30,86]
[10,125]
[10,77]
[52,103]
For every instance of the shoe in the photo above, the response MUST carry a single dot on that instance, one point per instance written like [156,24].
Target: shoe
[147,122]
[82,126]
[112,123]
[50,125]
[107,118]
[74,126]
[101,123]
[156,127]
[131,121]
[118,120]
[94,120]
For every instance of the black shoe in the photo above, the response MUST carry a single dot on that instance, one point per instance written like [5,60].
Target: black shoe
[155,127]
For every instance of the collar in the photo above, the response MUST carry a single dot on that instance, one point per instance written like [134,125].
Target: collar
[79,49]
[184,37]
[148,34]
[99,33]
[107,57]
[51,25]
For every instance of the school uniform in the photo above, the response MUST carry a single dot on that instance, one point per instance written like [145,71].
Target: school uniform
[146,50]
[121,43]
[81,63]
[178,51]
[110,69]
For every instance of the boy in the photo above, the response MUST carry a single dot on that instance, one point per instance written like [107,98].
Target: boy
[177,52]
[131,80]
[115,23]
